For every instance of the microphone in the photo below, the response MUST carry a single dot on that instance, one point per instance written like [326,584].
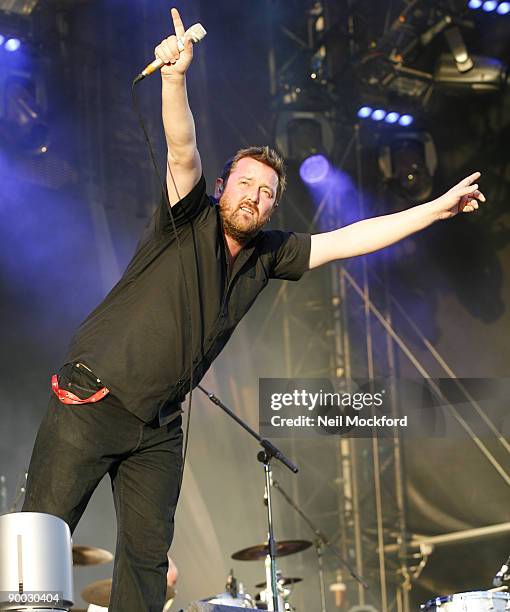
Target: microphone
[497,581]
[196,33]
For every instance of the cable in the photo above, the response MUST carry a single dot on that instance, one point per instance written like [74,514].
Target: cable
[183,271]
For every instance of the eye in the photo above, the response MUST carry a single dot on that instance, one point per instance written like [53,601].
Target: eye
[243,182]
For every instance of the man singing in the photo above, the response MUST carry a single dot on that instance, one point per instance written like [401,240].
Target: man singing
[115,406]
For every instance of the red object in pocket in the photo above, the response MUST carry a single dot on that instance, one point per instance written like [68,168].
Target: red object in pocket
[66,397]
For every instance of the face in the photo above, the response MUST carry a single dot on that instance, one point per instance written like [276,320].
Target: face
[248,198]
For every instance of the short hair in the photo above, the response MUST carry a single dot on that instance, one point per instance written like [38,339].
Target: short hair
[267,156]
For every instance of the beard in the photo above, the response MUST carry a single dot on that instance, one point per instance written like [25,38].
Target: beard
[238,224]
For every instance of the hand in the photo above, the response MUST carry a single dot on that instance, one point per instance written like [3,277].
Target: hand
[463,197]
[176,62]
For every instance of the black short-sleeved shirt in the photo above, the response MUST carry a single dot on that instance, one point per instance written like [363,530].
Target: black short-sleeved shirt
[137,341]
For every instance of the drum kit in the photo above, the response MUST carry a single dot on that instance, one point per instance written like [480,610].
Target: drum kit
[97,593]
[473,601]
[235,594]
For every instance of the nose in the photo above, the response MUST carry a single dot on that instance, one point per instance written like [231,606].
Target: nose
[253,196]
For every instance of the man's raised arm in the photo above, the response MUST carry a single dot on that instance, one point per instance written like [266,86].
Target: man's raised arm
[372,234]
[184,165]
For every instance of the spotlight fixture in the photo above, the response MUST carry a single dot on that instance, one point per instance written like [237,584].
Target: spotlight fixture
[18,7]
[364,112]
[314,169]
[301,134]
[22,121]
[490,6]
[405,120]
[487,75]
[12,44]
[408,162]
[378,115]
[390,117]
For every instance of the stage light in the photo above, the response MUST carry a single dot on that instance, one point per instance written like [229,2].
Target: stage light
[487,75]
[364,112]
[2,39]
[475,4]
[301,134]
[503,8]
[314,169]
[378,114]
[392,117]
[23,127]
[12,44]
[408,162]
[18,7]
[489,6]
[406,120]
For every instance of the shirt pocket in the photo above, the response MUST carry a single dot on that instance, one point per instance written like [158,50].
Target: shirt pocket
[247,289]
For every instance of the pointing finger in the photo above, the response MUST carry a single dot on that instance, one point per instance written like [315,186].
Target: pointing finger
[469,179]
[178,25]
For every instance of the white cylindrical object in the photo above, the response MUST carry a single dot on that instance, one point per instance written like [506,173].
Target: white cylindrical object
[35,562]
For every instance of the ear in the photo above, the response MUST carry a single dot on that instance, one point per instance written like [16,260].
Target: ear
[218,188]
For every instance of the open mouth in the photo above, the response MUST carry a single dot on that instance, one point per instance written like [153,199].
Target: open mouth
[248,210]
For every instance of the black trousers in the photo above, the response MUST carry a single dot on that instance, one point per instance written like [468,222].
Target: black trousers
[75,447]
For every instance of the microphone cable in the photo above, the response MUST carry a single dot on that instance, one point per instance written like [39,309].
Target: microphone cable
[181,262]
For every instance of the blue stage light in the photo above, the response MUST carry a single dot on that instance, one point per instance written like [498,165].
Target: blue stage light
[406,120]
[13,44]
[378,114]
[2,39]
[475,4]
[503,8]
[314,169]
[392,117]
[364,112]
[489,6]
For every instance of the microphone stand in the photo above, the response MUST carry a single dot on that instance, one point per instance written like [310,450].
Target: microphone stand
[321,541]
[265,456]
[501,576]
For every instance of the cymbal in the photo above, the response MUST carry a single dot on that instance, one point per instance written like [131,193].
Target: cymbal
[99,591]
[260,551]
[283,581]
[88,555]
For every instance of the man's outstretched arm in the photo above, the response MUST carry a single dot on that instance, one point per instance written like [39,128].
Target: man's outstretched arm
[373,234]
[184,165]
